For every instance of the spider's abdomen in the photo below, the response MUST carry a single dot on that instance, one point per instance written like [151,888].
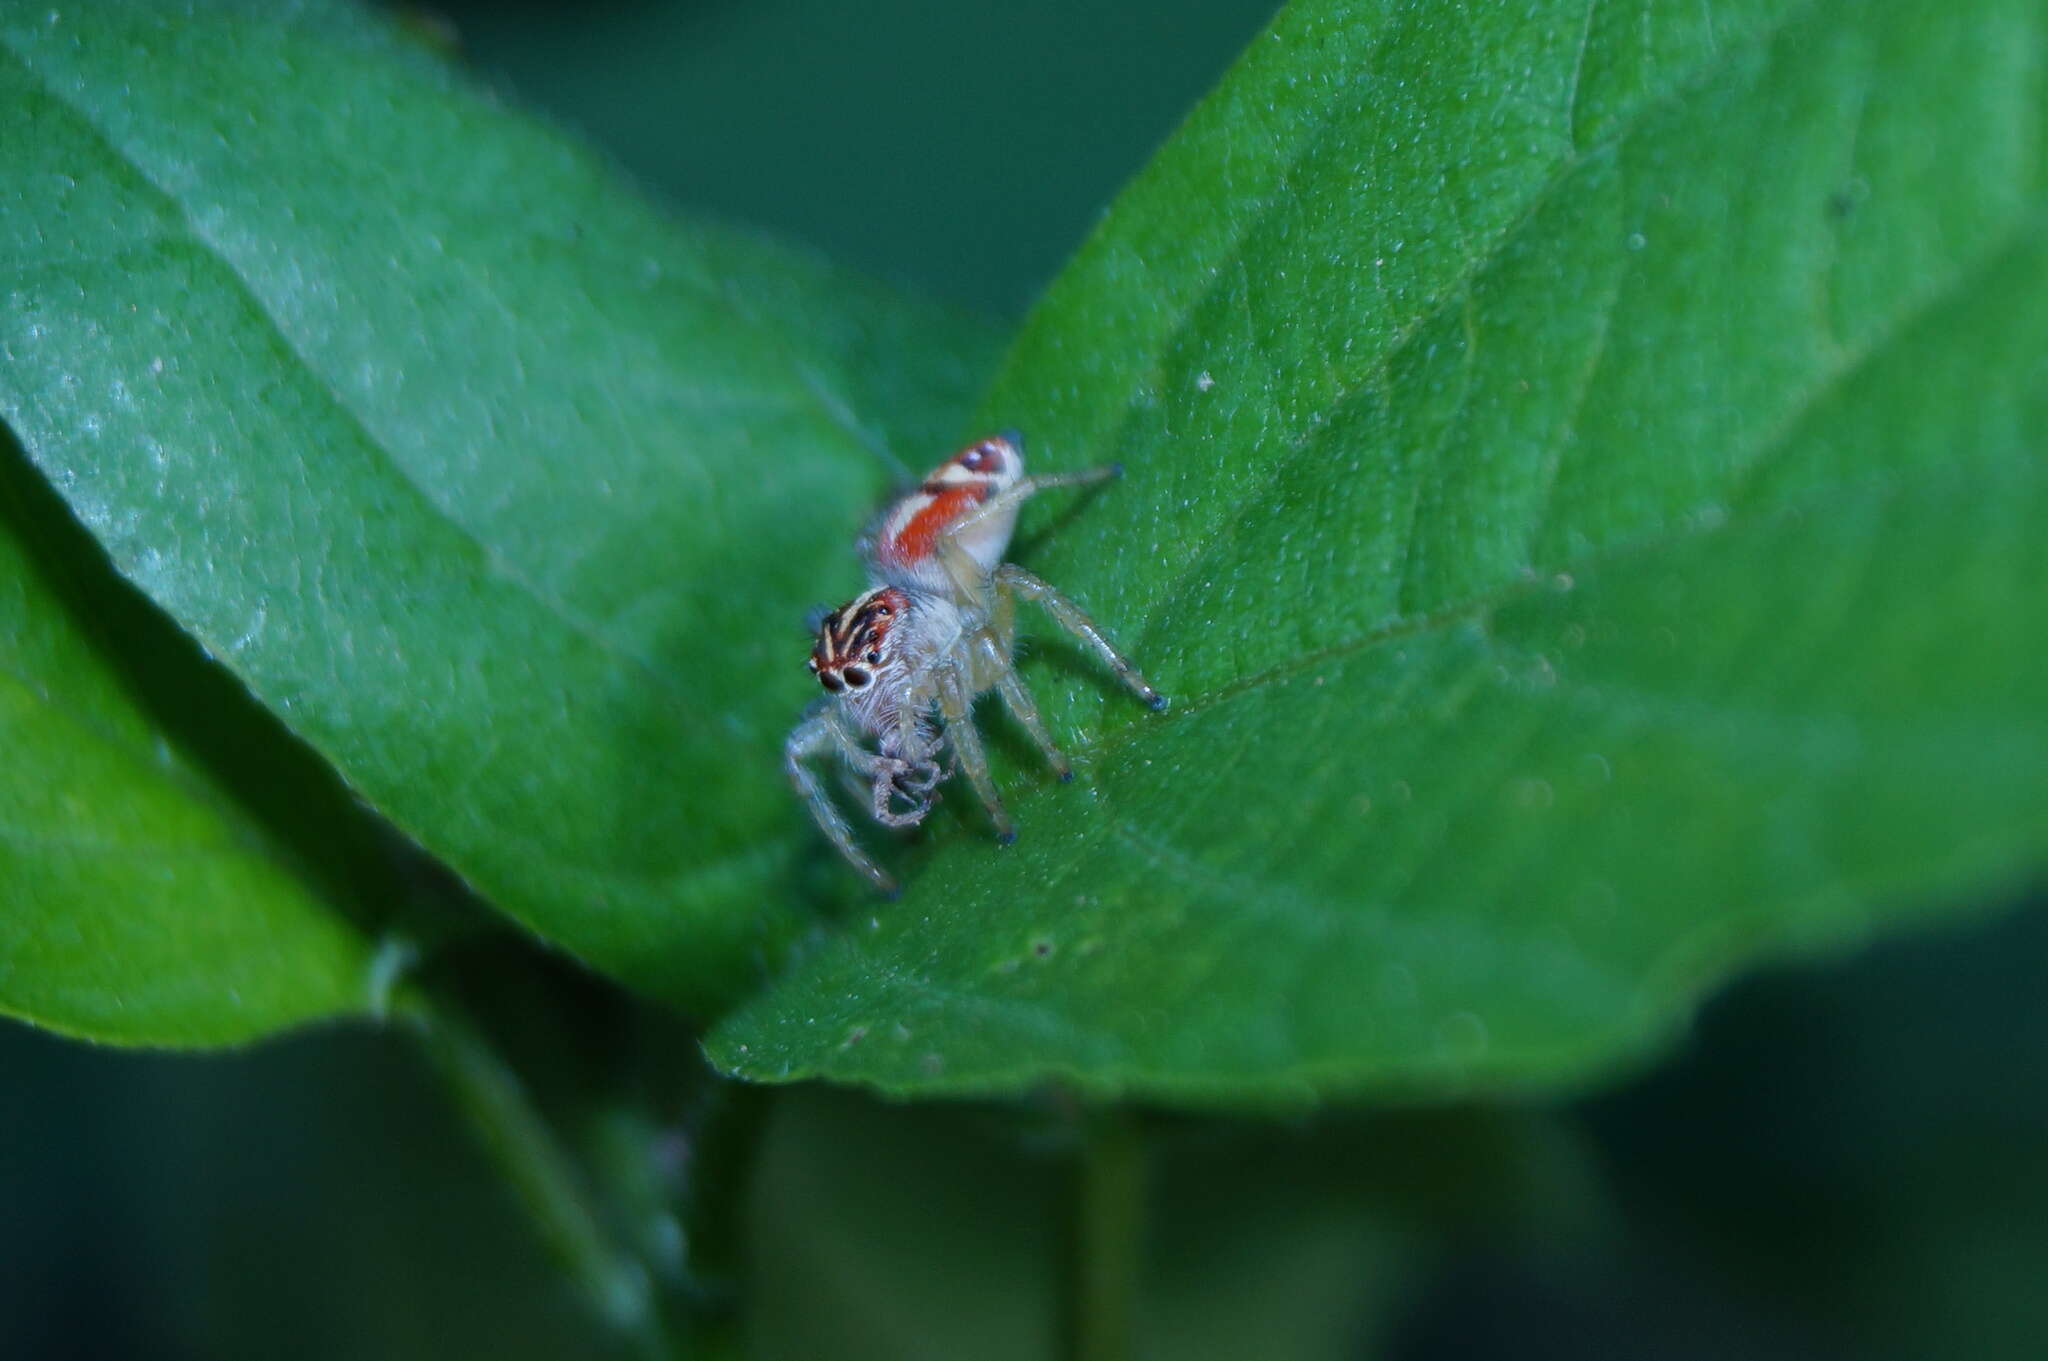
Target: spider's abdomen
[903,545]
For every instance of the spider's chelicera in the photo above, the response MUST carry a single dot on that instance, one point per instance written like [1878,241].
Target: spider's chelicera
[903,662]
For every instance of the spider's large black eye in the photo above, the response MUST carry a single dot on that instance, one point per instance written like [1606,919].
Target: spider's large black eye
[856,677]
[830,681]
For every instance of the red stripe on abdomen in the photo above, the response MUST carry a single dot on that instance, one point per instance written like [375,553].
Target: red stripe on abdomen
[919,537]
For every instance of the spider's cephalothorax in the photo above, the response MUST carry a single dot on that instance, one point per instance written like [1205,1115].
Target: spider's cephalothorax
[903,663]
[854,643]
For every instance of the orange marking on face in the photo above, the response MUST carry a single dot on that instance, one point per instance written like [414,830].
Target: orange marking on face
[919,537]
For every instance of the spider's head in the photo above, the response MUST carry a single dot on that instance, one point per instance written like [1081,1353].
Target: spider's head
[859,641]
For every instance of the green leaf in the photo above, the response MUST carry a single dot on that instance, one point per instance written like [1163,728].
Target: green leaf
[505,491]
[151,897]
[1584,484]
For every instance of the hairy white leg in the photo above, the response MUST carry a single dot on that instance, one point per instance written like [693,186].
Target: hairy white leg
[970,583]
[1002,615]
[956,706]
[814,737]
[1017,697]
[872,765]
[1075,620]
[1025,487]
[967,574]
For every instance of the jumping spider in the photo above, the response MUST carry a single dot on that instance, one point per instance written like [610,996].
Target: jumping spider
[904,661]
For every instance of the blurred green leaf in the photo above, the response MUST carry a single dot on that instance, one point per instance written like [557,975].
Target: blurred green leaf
[504,490]
[148,900]
[1584,469]
[1884,1155]
[887,1231]
[319,1189]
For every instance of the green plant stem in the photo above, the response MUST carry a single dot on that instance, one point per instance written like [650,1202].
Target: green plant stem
[1108,1240]
[494,1101]
[728,1136]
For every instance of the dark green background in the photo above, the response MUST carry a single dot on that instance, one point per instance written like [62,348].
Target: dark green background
[959,150]
[1846,1162]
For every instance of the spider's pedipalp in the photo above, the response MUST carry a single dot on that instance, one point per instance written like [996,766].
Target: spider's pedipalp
[911,782]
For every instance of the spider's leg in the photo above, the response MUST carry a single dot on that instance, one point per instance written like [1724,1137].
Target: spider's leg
[852,783]
[967,575]
[859,760]
[1017,697]
[970,583]
[814,737]
[956,707]
[1075,620]
[1025,487]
